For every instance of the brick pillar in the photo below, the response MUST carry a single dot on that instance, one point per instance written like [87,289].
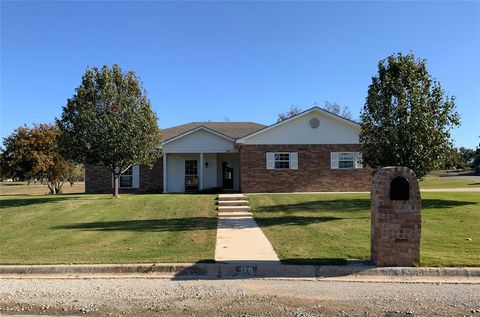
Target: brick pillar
[396,217]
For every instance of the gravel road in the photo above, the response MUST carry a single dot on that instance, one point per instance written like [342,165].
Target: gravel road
[249,297]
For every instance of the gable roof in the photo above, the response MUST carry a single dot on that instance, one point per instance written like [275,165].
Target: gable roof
[301,114]
[232,130]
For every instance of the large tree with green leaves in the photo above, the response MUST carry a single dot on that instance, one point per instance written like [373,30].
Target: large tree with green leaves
[33,154]
[110,122]
[407,117]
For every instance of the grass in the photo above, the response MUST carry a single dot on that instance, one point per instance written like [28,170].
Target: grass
[99,229]
[330,228]
[434,182]
[22,188]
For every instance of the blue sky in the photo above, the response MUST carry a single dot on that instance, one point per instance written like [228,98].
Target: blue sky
[246,61]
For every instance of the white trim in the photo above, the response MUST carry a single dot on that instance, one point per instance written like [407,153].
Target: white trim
[200,170]
[165,171]
[328,113]
[196,129]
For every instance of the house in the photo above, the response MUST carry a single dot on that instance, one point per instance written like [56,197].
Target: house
[315,150]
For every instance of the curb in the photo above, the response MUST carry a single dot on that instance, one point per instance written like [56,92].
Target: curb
[239,270]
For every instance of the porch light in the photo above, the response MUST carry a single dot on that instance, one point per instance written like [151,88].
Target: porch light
[206,164]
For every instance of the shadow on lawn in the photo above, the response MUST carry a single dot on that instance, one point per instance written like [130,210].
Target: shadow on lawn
[351,205]
[293,221]
[32,200]
[169,224]
[441,203]
[191,223]
[355,204]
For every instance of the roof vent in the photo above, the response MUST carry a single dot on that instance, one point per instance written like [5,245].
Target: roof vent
[314,123]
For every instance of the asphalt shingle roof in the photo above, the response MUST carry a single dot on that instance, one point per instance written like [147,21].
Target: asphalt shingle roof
[234,130]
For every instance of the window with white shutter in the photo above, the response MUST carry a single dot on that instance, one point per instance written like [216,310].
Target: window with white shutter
[346,160]
[282,160]
[130,178]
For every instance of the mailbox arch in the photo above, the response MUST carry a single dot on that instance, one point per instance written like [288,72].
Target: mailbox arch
[399,188]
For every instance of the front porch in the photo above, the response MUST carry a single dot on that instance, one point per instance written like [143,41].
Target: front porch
[194,172]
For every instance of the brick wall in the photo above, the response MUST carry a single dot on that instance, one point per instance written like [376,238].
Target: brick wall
[313,173]
[151,178]
[98,179]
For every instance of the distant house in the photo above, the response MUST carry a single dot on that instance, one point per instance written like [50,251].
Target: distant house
[315,150]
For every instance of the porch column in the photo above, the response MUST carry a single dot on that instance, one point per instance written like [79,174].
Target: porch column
[165,179]
[200,183]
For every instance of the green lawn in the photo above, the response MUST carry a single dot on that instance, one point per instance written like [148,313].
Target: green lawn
[100,229]
[434,182]
[330,228]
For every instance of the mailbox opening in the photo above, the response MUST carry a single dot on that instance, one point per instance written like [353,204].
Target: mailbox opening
[399,189]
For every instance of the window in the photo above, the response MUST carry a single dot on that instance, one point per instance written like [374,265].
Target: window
[282,160]
[126,178]
[191,175]
[346,160]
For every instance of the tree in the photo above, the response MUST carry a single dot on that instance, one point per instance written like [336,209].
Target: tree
[467,156]
[109,121]
[33,154]
[74,173]
[294,110]
[476,160]
[337,109]
[407,117]
[451,159]
[15,160]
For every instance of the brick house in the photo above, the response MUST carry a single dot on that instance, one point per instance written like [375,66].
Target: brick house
[313,151]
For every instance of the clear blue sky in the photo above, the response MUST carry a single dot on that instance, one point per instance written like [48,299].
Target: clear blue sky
[246,61]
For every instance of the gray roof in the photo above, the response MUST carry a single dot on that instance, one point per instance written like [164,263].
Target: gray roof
[234,130]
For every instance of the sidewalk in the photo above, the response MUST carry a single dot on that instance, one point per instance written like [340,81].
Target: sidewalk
[239,238]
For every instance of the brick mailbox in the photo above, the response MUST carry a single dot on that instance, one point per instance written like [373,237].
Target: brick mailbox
[396,217]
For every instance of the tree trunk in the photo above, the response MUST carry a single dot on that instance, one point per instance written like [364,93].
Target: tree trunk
[115,185]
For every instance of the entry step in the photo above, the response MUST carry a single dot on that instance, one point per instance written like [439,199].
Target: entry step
[223,197]
[242,202]
[233,208]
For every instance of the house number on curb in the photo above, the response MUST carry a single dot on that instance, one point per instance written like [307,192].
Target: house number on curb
[246,270]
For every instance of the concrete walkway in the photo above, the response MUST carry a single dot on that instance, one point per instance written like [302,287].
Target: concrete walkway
[239,238]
